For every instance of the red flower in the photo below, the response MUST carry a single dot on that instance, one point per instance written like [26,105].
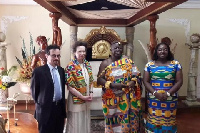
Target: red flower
[2,68]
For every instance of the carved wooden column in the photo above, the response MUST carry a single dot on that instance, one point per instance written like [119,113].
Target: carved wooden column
[129,37]
[152,44]
[73,38]
[153,31]
[57,36]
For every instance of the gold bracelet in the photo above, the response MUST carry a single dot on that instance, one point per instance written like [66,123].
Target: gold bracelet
[135,79]
[107,84]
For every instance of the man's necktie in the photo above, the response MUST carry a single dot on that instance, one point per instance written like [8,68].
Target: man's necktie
[57,91]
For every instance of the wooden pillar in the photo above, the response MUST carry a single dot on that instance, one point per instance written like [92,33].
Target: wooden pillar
[153,31]
[57,36]
[152,44]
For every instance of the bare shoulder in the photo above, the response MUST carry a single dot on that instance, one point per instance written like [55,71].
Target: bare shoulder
[105,63]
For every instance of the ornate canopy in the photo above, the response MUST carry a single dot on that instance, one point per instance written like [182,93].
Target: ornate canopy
[107,12]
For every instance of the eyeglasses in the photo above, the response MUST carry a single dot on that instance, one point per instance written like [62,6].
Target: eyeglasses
[54,56]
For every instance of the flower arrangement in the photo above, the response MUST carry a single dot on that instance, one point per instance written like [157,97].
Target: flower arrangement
[25,69]
[5,78]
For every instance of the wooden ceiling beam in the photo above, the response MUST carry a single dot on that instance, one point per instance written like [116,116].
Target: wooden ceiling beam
[153,9]
[46,5]
[142,15]
[53,6]
[64,11]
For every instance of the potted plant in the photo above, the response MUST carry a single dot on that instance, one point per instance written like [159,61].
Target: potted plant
[25,70]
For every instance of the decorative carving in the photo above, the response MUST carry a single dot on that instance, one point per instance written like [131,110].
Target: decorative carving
[168,41]
[57,36]
[99,41]
[39,59]
[94,54]
[186,24]
[153,32]
[9,19]
[95,35]
[101,50]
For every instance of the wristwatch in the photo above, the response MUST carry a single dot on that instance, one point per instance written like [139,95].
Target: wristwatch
[168,94]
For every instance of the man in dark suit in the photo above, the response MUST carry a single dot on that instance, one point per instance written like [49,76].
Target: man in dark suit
[48,92]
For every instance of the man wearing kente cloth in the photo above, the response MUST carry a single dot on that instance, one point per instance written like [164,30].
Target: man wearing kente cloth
[121,83]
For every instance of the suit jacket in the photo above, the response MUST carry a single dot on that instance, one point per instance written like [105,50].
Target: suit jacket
[42,89]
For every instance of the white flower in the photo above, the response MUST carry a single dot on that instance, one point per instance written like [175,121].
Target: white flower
[6,79]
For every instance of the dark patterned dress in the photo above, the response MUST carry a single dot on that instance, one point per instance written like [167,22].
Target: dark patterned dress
[162,115]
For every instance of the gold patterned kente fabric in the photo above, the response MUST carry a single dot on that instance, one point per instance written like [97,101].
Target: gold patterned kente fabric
[75,79]
[121,108]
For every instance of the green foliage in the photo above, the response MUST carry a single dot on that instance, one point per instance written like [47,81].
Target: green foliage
[7,73]
[26,57]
